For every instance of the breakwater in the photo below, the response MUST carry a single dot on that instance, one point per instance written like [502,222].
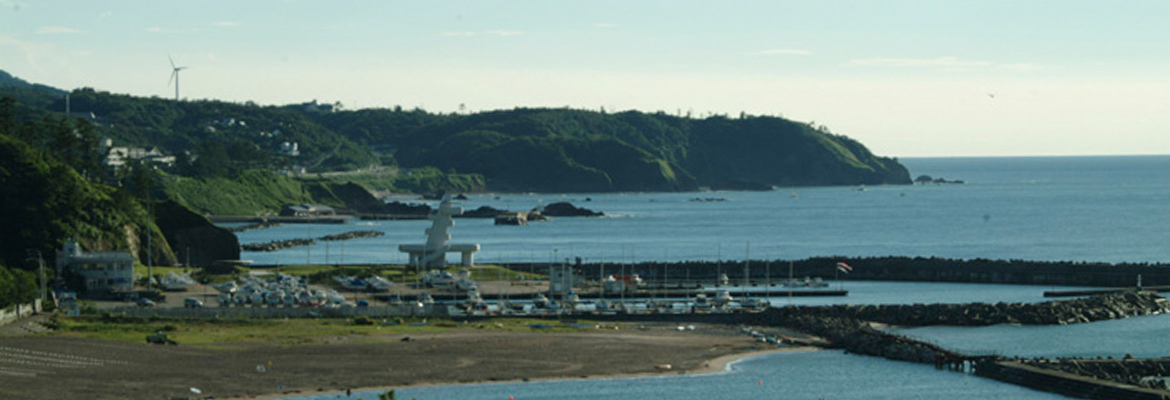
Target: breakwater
[1065,383]
[290,243]
[1095,308]
[850,328]
[1133,371]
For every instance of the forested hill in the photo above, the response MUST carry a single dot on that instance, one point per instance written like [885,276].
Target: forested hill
[543,150]
[577,150]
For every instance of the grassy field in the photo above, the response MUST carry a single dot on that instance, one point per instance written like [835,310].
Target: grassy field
[286,331]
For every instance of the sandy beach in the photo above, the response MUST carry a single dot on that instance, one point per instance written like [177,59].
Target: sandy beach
[57,367]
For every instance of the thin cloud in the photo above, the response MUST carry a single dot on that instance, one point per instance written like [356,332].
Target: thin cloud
[502,33]
[605,25]
[173,31]
[780,52]
[16,6]
[938,62]
[58,30]
[467,34]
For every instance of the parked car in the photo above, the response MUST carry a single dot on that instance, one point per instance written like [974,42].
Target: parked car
[145,302]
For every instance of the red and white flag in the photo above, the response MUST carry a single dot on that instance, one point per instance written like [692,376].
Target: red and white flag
[843,267]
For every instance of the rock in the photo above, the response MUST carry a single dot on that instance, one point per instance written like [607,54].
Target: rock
[564,209]
[352,235]
[400,208]
[484,212]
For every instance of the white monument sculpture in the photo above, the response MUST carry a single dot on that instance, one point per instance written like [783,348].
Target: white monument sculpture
[433,254]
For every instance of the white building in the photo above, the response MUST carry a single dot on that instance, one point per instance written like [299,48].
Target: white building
[101,271]
[116,157]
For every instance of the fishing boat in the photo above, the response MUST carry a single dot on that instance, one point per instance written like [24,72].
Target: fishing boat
[175,283]
[439,279]
[701,302]
[379,284]
[350,283]
[722,298]
[541,301]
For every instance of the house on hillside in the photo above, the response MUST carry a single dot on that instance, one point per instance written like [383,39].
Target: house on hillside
[116,157]
[99,271]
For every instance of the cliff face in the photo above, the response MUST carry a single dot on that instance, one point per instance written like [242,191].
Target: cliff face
[195,240]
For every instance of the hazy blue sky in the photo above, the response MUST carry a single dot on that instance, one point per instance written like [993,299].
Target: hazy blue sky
[907,78]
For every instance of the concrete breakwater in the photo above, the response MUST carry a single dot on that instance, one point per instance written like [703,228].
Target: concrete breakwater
[1133,371]
[1095,308]
[1064,383]
[850,328]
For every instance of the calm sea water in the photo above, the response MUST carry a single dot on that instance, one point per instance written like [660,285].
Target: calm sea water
[1113,209]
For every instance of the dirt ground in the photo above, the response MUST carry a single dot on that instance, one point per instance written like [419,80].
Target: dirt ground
[37,367]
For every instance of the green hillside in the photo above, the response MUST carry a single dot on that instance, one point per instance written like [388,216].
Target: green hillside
[577,150]
[545,150]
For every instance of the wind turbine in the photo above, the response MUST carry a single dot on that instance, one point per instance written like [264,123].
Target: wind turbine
[174,76]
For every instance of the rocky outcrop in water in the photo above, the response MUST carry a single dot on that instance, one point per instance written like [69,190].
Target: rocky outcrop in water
[277,245]
[565,209]
[400,208]
[484,212]
[352,235]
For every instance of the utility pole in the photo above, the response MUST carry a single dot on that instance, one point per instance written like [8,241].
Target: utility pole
[44,282]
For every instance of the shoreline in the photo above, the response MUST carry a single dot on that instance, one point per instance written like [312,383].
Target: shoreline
[716,365]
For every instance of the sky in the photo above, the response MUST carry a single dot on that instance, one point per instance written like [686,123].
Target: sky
[906,78]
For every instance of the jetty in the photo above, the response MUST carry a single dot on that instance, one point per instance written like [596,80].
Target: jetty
[1094,292]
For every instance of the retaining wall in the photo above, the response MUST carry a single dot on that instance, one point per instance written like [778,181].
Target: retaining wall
[20,311]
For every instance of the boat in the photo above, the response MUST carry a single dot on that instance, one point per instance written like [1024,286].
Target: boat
[722,298]
[228,287]
[541,301]
[350,283]
[751,302]
[439,279]
[475,301]
[175,283]
[425,299]
[379,284]
[701,302]
[464,282]
[571,298]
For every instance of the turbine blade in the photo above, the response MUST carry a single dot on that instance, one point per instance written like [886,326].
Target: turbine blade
[172,60]
[172,78]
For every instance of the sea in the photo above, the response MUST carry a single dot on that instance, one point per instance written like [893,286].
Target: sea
[1095,209]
